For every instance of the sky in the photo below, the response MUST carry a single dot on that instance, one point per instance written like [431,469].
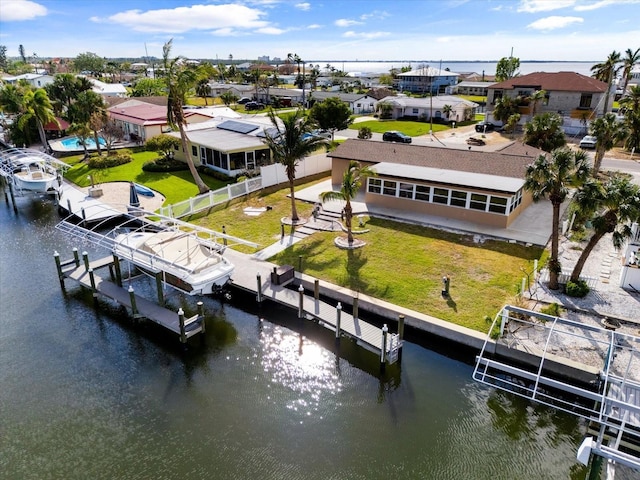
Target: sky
[348,30]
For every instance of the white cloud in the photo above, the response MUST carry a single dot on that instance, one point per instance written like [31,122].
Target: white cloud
[365,35]
[601,4]
[534,6]
[378,14]
[303,6]
[314,26]
[16,10]
[195,17]
[554,22]
[343,22]
[271,31]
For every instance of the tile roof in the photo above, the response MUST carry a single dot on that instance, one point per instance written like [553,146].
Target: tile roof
[559,81]
[509,162]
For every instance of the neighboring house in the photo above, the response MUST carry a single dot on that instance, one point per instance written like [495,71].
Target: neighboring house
[230,146]
[635,77]
[239,91]
[36,80]
[481,187]
[425,80]
[140,121]
[469,88]
[426,108]
[359,103]
[109,89]
[577,98]
[292,96]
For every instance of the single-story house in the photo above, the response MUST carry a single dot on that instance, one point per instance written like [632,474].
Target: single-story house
[108,89]
[426,108]
[231,146]
[36,80]
[239,91]
[358,102]
[469,88]
[577,98]
[425,80]
[476,186]
[140,120]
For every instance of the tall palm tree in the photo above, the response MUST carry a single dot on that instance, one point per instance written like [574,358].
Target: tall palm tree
[37,106]
[545,132]
[294,57]
[11,97]
[535,98]
[552,176]
[630,59]
[504,108]
[82,133]
[608,132]
[203,89]
[447,109]
[615,204]
[352,180]
[606,72]
[180,80]
[631,107]
[289,144]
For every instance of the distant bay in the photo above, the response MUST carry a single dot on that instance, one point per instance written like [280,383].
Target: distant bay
[489,68]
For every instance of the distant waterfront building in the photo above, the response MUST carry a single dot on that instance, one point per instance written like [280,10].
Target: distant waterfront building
[425,80]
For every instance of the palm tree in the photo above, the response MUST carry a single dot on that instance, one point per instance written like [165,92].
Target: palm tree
[37,106]
[447,109]
[504,108]
[351,183]
[535,98]
[11,97]
[82,133]
[203,89]
[545,132]
[289,145]
[294,57]
[631,107]
[606,72]
[628,62]
[180,81]
[608,132]
[551,176]
[615,205]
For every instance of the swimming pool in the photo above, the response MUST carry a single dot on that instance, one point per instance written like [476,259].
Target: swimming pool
[73,143]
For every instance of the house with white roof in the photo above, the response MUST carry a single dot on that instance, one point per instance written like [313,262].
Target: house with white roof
[425,80]
[36,80]
[431,107]
[108,89]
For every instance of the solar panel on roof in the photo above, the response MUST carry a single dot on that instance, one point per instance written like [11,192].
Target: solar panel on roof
[237,127]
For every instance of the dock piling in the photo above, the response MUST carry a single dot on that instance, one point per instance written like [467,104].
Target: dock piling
[183,336]
[355,307]
[301,304]
[383,350]
[159,288]
[13,197]
[259,284]
[92,279]
[85,259]
[201,315]
[116,266]
[316,289]
[400,335]
[56,257]
[76,257]
[132,297]
[338,315]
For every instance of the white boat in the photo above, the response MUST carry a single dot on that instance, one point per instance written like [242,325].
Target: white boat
[189,263]
[31,170]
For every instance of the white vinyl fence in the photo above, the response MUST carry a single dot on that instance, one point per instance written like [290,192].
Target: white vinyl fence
[269,176]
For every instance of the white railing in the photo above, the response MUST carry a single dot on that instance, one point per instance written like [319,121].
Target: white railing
[564,277]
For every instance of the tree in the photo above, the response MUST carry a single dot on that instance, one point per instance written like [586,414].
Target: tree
[551,176]
[606,72]
[512,123]
[82,133]
[228,98]
[628,62]
[608,131]
[89,62]
[111,133]
[507,68]
[11,97]
[630,105]
[97,122]
[300,80]
[180,81]
[385,109]
[535,98]
[164,144]
[351,183]
[504,108]
[365,133]
[149,87]
[203,89]
[38,107]
[65,89]
[85,104]
[21,53]
[447,109]
[331,114]
[289,144]
[3,58]
[545,132]
[614,205]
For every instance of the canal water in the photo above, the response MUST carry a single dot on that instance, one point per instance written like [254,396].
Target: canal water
[85,393]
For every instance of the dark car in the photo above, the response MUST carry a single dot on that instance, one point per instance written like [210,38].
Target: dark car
[244,100]
[395,136]
[254,106]
[485,127]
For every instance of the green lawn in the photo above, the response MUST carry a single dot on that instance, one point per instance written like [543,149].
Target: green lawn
[403,264]
[175,186]
[413,129]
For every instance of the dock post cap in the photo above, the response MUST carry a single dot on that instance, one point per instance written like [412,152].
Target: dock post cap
[339,306]
[55,253]
[385,329]
[180,311]
[130,289]
[301,288]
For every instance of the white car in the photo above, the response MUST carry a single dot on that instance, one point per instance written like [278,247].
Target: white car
[589,141]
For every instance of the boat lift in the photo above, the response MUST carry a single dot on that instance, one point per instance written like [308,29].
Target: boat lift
[13,159]
[535,357]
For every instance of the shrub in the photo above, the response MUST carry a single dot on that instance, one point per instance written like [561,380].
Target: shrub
[163,164]
[577,289]
[116,158]
[364,133]
[553,309]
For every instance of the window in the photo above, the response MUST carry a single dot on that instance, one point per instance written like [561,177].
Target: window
[516,200]
[406,190]
[423,192]
[194,151]
[498,204]
[441,195]
[236,161]
[458,198]
[478,202]
[375,185]
[415,111]
[497,95]
[389,188]
[585,100]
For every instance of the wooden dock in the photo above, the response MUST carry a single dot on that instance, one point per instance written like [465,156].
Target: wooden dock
[84,274]
[252,274]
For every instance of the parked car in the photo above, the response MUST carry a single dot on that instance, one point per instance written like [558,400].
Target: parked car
[475,141]
[483,127]
[254,106]
[395,136]
[244,100]
[588,141]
